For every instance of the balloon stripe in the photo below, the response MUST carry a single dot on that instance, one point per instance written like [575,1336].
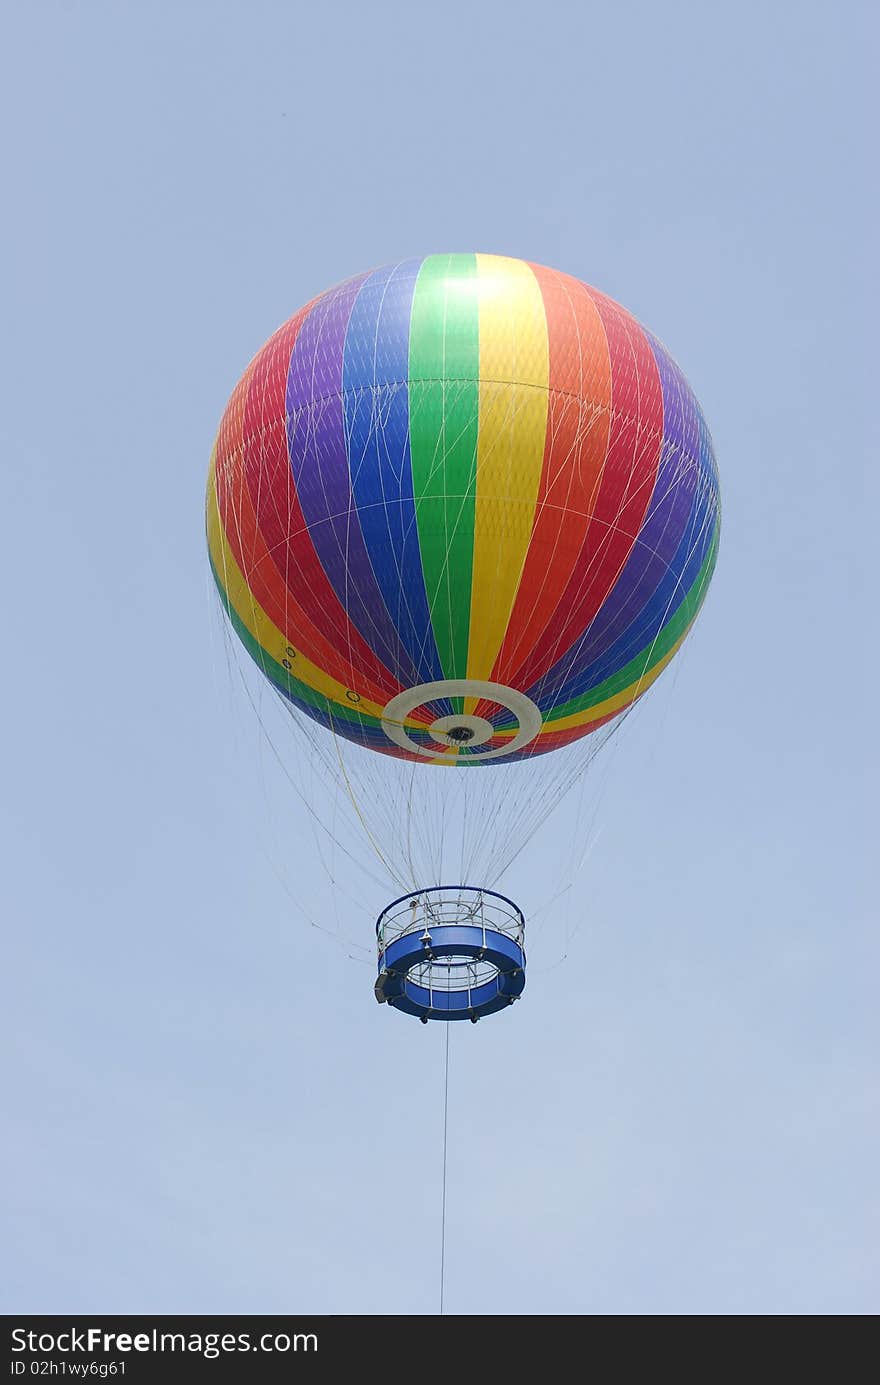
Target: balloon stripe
[273,644]
[443,407]
[514,373]
[376,403]
[668,635]
[320,466]
[280,518]
[236,516]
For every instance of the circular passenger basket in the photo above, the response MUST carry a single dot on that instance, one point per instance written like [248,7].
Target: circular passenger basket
[452,952]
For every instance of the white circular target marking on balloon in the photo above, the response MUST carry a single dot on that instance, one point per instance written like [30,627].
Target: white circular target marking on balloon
[444,729]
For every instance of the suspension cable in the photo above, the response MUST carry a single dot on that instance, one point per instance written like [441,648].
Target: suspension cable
[447,1027]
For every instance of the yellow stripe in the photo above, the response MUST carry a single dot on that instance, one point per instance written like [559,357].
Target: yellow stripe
[514,376]
[263,629]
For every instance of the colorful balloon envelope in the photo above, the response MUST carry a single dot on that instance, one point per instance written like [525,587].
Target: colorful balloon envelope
[463,509]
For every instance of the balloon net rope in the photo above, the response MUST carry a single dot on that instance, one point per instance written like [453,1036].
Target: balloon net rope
[401,821]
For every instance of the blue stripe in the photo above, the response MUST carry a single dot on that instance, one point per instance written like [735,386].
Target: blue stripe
[317,447]
[376,400]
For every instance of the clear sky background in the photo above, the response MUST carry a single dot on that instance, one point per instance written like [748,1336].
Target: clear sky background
[204,1109]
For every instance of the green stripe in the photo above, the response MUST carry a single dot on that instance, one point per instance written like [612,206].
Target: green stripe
[644,661]
[277,674]
[444,361]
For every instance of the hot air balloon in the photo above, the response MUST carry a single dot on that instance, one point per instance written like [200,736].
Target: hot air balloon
[461,512]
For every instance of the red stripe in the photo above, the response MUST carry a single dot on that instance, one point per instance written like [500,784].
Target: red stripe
[259,510]
[625,488]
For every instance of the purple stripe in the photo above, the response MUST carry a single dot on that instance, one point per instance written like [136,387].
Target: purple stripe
[316,437]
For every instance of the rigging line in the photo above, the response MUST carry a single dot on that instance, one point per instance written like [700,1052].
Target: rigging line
[373,843]
[443,1212]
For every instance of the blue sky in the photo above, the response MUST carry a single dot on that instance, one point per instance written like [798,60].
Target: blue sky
[205,1110]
